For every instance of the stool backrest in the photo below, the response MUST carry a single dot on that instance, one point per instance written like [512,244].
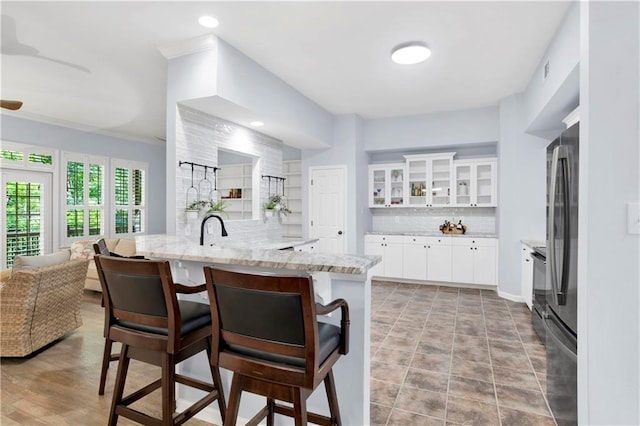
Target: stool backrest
[139,292]
[262,319]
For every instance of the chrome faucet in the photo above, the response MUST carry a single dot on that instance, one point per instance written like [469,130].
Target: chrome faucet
[206,218]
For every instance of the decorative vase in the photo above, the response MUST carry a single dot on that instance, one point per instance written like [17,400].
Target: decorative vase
[192,214]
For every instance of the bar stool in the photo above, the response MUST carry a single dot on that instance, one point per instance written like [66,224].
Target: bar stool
[153,326]
[265,330]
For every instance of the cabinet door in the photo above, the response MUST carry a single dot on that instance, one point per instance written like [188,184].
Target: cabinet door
[417,175]
[377,186]
[439,260]
[393,260]
[376,249]
[484,268]
[396,185]
[463,184]
[485,184]
[414,261]
[441,171]
[463,263]
[527,275]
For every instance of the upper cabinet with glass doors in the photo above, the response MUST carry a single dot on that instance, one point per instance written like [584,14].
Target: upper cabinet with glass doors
[386,185]
[429,179]
[475,183]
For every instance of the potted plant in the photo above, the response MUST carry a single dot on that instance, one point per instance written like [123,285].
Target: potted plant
[218,207]
[194,208]
[275,204]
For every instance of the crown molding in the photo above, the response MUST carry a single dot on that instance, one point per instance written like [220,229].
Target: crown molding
[185,47]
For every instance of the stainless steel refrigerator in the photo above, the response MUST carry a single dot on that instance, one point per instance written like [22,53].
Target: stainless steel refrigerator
[561,322]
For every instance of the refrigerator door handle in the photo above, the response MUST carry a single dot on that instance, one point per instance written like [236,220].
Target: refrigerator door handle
[551,222]
[566,254]
[560,155]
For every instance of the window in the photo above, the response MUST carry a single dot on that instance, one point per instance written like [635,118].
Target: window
[85,201]
[129,197]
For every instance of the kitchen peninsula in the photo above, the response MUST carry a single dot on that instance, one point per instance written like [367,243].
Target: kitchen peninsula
[347,277]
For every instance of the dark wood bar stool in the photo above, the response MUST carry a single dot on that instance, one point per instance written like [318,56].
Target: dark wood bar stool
[100,247]
[265,330]
[153,326]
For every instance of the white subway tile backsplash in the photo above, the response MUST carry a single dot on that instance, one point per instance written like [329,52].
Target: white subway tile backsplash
[480,220]
[198,137]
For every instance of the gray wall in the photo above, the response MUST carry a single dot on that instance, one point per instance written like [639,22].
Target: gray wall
[15,129]
[608,257]
[347,141]
[433,130]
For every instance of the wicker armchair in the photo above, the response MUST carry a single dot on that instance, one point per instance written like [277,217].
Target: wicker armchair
[38,306]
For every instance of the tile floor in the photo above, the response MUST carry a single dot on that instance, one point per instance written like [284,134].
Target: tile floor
[446,355]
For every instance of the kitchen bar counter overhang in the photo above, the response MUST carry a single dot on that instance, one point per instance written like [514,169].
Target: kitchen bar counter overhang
[348,277]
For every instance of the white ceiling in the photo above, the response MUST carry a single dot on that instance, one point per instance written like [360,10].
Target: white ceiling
[96,65]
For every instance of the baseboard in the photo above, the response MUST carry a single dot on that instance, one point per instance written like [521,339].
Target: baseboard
[435,283]
[509,296]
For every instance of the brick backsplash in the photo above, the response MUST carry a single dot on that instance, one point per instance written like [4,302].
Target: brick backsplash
[481,219]
[198,137]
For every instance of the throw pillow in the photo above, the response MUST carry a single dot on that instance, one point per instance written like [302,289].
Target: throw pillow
[21,263]
[82,250]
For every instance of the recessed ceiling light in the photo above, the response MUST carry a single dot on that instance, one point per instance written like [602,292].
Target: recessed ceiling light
[257,123]
[208,21]
[410,53]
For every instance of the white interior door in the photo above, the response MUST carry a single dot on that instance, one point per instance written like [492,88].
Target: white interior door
[327,192]
[27,212]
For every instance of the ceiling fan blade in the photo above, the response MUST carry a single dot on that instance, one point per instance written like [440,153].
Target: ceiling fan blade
[13,105]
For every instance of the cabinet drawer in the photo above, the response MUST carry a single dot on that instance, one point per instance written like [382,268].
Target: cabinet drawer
[414,239]
[439,241]
[470,241]
[380,238]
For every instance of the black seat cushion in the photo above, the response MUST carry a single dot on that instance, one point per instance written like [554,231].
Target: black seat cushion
[193,314]
[328,335]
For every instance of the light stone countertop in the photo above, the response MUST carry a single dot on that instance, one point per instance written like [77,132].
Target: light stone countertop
[437,234]
[261,254]
[534,243]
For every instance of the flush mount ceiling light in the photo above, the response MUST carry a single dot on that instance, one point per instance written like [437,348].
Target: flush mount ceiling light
[410,53]
[257,123]
[208,21]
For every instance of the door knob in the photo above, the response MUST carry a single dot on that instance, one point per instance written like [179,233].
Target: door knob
[339,232]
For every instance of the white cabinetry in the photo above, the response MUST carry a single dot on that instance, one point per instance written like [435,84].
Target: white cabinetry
[445,259]
[439,259]
[474,260]
[234,183]
[306,247]
[414,258]
[292,223]
[429,179]
[475,183]
[527,274]
[389,247]
[386,185]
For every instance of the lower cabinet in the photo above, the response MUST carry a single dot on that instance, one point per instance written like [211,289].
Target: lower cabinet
[527,274]
[389,247]
[445,259]
[306,247]
[439,261]
[414,258]
[474,260]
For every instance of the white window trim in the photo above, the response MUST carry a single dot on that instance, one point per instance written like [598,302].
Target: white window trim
[26,150]
[54,169]
[129,165]
[86,159]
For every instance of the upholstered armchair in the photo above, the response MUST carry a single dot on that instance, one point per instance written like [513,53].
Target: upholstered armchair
[39,305]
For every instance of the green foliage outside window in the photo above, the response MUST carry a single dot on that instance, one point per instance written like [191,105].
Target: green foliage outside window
[12,155]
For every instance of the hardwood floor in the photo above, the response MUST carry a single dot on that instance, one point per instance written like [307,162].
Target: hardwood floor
[58,385]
